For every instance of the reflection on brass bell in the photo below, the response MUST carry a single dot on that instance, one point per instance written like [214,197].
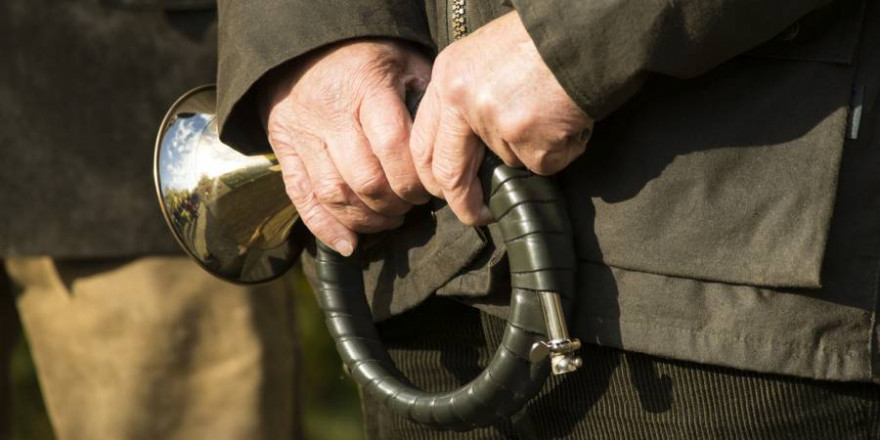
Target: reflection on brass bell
[228,210]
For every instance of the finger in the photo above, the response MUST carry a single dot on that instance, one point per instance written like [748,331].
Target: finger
[550,157]
[386,124]
[480,116]
[458,153]
[350,152]
[417,73]
[323,225]
[421,142]
[503,149]
[334,194]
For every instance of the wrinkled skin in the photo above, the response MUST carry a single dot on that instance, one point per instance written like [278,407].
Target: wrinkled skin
[339,127]
[352,159]
[492,86]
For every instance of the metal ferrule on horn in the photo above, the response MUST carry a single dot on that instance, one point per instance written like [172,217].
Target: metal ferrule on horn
[246,209]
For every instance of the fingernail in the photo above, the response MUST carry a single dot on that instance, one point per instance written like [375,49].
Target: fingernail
[344,247]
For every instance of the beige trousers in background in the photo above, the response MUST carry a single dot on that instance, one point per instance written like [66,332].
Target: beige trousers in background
[154,348]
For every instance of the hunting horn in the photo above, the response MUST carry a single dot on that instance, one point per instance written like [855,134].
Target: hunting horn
[230,212]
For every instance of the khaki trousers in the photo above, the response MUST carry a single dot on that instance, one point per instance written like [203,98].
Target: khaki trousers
[154,348]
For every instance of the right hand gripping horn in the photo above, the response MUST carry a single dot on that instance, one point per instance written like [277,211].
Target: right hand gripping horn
[199,181]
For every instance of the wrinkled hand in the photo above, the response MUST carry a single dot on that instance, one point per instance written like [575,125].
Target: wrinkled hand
[492,85]
[340,130]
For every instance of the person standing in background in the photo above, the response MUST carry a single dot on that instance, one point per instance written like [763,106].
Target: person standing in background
[130,339]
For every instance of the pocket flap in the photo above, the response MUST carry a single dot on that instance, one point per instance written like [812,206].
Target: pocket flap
[830,34]
[729,177]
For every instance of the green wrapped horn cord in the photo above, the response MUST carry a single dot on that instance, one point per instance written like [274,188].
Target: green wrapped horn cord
[531,213]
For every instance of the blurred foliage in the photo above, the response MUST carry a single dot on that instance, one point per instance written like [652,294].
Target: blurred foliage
[331,409]
[30,421]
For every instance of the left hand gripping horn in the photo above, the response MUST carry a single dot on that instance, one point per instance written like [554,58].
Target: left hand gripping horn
[230,213]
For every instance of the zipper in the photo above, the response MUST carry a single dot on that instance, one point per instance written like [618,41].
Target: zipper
[457,16]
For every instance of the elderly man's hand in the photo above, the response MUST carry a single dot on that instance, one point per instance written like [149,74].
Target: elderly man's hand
[340,129]
[492,85]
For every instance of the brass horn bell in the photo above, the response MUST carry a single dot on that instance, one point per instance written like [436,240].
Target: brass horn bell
[227,210]
[231,213]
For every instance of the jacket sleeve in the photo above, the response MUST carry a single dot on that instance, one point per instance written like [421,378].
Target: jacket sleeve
[255,37]
[602,51]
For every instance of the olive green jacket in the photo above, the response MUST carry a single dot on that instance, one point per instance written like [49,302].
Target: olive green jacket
[728,208]
[83,88]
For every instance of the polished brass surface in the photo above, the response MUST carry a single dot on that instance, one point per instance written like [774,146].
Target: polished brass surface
[229,211]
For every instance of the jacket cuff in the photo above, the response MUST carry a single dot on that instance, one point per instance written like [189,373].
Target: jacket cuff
[253,41]
[602,52]
[597,69]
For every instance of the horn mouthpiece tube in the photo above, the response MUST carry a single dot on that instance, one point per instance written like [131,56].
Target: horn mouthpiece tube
[230,213]
[537,233]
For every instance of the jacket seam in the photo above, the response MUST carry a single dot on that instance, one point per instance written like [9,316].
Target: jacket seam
[640,320]
[582,260]
[846,369]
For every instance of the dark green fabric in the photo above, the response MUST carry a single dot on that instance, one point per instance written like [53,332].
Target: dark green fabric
[83,88]
[602,52]
[619,394]
[720,215]
[254,39]
[718,185]
[439,248]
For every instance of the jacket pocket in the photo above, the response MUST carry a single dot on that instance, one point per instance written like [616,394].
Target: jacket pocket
[728,177]
[830,34]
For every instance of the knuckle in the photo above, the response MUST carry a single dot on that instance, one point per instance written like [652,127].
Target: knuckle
[352,220]
[455,87]
[278,135]
[390,140]
[557,139]
[485,103]
[361,220]
[332,194]
[515,126]
[420,146]
[408,189]
[510,160]
[503,150]
[297,190]
[545,161]
[445,175]
[373,185]
[316,222]
[468,219]
[447,75]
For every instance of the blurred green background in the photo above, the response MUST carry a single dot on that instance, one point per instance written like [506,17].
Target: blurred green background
[331,409]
